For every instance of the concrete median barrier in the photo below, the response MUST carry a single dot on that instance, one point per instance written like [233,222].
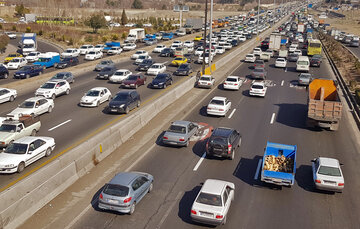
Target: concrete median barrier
[27,196]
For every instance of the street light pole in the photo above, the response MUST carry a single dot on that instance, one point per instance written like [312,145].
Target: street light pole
[211,19]
[258,18]
[203,63]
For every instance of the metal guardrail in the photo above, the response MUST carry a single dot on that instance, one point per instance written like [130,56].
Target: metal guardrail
[354,109]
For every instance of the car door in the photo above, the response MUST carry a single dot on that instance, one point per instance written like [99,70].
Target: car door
[43,106]
[102,97]
[145,183]
[4,95]
[227,105]
[132,100]
[36,150]
[137,190]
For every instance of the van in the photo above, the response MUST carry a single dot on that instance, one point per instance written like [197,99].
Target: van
[303,64]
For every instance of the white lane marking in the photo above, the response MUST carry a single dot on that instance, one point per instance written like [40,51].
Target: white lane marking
[272,118]
[177,198]
[258,170]
[72,223]
[232,113]
[199,162]
[282,83]
[63,123]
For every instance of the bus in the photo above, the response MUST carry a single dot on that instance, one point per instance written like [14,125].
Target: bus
[314,47]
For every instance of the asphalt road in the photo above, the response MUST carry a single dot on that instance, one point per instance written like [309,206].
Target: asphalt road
[47,47]
[82,121]
[256,205]
[355,50]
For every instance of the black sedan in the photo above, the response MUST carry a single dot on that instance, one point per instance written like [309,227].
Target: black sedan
[315,61]
[106,72]
[167,52]
[145,65]
[183,70]
[68,62]
[161,81]
[124,102]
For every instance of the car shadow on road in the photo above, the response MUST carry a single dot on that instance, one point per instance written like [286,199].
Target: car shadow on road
[159,139]
[246,171]
[95,200]
[199,147]
[293,115]
[185,206]
[304,178]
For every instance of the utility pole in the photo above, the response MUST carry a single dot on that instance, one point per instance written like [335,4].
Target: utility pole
[210,47]
[258,18]
[203,63]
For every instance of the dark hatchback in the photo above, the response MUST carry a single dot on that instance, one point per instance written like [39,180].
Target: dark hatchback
[161,81]
[106,72]
[223,143]
[315,60]
[68,62]
[124,102]
[4,73]
[145,65]
[183,70]
[167,52]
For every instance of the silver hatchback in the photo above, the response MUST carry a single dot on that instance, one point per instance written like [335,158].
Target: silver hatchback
[124,191]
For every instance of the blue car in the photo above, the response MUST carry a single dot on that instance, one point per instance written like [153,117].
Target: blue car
[28,71]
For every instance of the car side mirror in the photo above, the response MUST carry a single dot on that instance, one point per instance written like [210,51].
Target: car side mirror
[313,160]
[341,164]
[30,152]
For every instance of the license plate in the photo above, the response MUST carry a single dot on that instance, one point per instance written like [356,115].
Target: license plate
[113,110]
[113,201]
[206,214]
[155,85]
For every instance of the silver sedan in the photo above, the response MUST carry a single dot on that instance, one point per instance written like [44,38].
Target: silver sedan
[327,174]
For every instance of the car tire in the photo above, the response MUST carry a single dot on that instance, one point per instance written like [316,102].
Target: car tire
[98,103]
[48,152]
[33,132]
[232,155]
[27,76]
[21,167]
[127,110]
[67,91]
[53,96]
[6,75]
[224,221]
[164,85]
[171,82]
[132,209]
[151,187]
[138,103]
[50,109]
[12,98]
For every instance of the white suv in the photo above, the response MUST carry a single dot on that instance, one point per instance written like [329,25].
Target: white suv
[85,49]
[53,88]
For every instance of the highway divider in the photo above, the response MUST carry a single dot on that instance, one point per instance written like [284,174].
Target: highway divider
[22,199]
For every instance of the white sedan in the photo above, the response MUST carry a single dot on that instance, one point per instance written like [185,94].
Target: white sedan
[141,58]
[129,47]
[156,69]
[93,55]
[298,52]
[114,51]
[220,50]
[189,44]
[24,151]
[258,88]
[17,63]
[99,47]
[53,88]
[70,53]
[33,106]
[212,204]
[251,58]
[32,57]
[159,48]
[257,51]
[139,53]
[280,63]
[327,174]
[120,75]
[242,38]
[95,96]
[233,83]
[206,81]
[7,95]
[218,106]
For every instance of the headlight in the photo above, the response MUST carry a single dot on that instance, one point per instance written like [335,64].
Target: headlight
[122,105]
[9,165]
[22,74]
[161,83]
[106,75]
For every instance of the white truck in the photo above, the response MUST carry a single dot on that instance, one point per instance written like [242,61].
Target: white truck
[13,129]
[301,28]
[275,41]
[28,43]
[135,35]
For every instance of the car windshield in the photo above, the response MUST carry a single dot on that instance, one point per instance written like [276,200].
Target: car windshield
[116,190]
[251,56]
[106,69]
[256,86]
[307,76]
[92,53]
[104,62]
[7,128]
[32,54]
[209,199]
[178,58]
[231,80]
[155,66]
[66,59]
[69,51]
[142,57]
[183,67]
[16,148]
[160,77]
[133,77]
[59,76]
[27,104]
[93,93]
[177,129]
[121,97]
[205,78]
[48,85]
[114,48]
[329,171]
[15,60]
[12,55]
[302,63]
[217,102]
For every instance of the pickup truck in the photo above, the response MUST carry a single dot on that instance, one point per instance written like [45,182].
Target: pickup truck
[28,71]
[324,105]
[13,129]
[279,164]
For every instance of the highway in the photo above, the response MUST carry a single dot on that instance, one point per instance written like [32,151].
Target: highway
[179,172]
[355,50]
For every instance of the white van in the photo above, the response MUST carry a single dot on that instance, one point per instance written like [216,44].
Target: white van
[303,64]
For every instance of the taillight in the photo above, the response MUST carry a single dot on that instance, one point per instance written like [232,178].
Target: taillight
[207,146]
[209,83]
[165,138]
[224,83]
[219,216]
[127,200]
[193,212]
[221,109]
[236,84]
[229,149]
[318,181]
[341,184]
[182,139]
[101,196]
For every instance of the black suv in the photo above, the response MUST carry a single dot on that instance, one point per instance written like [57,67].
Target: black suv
[124,102]
[4,73]
[223,143]
[167,52]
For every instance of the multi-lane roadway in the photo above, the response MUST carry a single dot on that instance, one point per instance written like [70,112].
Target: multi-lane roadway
[279,117]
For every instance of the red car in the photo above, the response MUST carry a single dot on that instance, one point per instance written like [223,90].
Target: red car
[133,81]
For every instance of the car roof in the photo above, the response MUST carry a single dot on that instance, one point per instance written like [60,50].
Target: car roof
[56,81]
[213,186]
[259,83]
[34,99]
[237,77]
[219,98]
[97,88]
[180,123]
[331,162]
[122,70]
[27,139]
[124,178]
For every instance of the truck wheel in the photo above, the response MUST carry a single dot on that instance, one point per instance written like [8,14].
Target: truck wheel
[33,132]
[21,167]
[55,65]
[11,98]
[48,152]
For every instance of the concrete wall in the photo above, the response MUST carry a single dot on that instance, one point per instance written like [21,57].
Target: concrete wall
[26,197]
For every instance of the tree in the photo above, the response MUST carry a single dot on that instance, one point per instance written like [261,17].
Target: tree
[124,19]
[20,10]
[96,22]
[137,4]
[4,40]
[163,7]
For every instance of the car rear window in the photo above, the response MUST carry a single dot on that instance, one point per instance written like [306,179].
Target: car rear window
[177,129]
[209,199]
[217,102]
[329,171]
[116,190]
[231,80]
[257,86]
